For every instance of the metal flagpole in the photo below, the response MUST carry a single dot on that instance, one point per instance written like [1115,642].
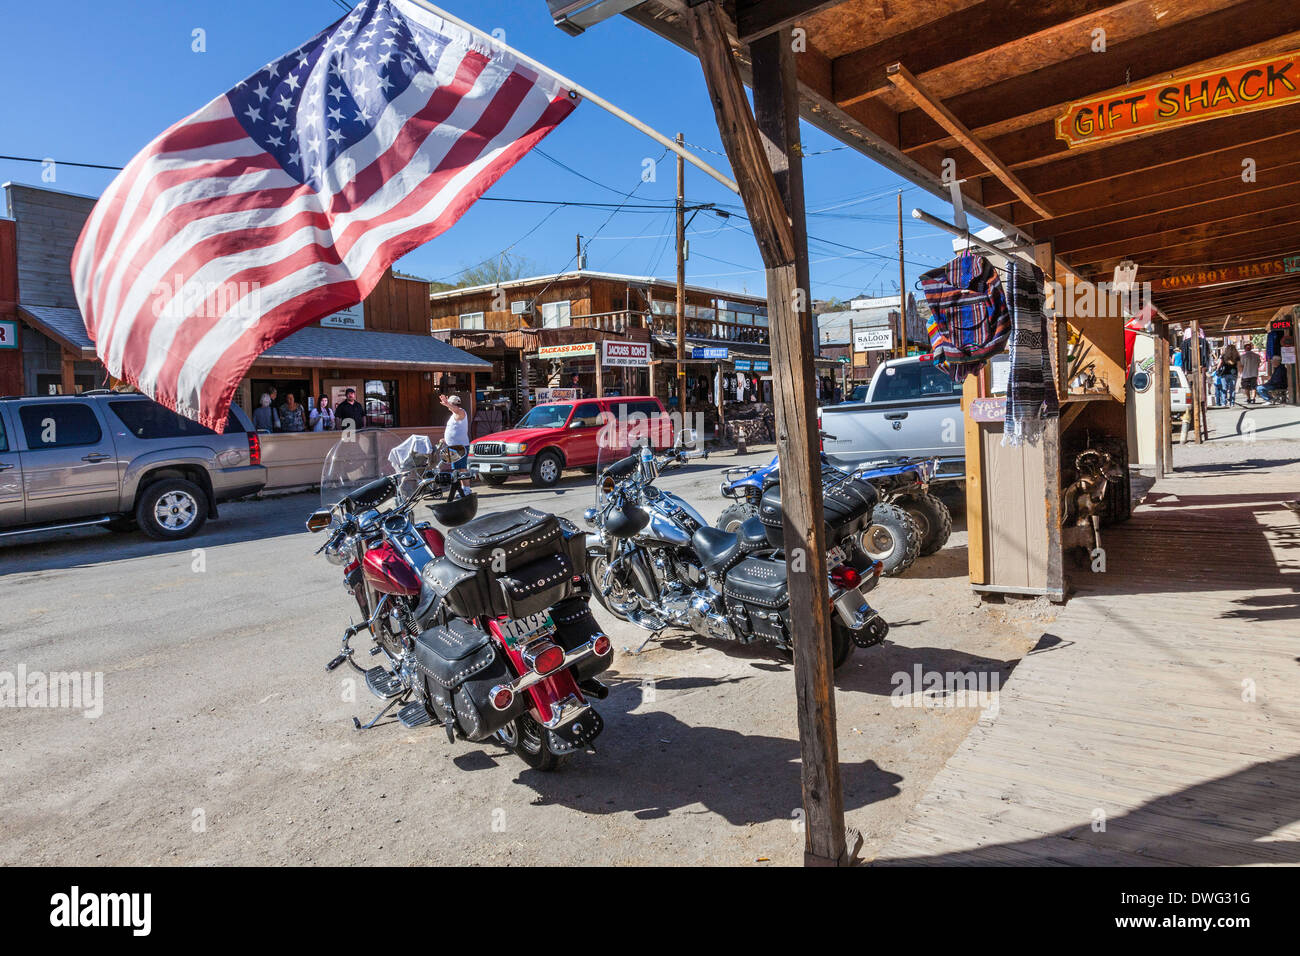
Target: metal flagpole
[587,94]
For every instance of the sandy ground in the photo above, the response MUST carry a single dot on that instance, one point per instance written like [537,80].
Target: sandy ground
[224,741]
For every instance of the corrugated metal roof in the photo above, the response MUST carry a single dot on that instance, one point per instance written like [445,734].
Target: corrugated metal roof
[368,346]
[311,343]
[59,323]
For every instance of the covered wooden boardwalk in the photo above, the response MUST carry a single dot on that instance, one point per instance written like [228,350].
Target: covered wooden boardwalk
[1162,701]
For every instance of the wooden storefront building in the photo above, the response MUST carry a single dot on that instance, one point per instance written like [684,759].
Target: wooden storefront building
[382,347]
[547,332]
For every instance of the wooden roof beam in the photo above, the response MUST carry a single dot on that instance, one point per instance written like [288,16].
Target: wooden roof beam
[1151,246]
[1241,32]
[909,85]
[1234,204]
[966,33]
[754,18]
[1197,179]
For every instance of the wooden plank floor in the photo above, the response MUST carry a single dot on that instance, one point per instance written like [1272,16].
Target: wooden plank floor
[1157,722]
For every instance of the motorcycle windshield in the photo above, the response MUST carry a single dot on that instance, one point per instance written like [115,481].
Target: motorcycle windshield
[357,460]
[618,446]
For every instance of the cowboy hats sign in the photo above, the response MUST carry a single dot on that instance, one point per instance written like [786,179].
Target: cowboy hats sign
[1208,95]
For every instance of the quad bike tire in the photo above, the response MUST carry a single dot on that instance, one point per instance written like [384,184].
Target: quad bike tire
[933,519]
[735,515]
[892,538]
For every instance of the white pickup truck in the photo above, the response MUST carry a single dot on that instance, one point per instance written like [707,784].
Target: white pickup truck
[912,409]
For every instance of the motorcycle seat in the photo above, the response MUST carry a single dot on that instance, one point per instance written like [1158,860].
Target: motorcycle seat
[717,549]
[753,536]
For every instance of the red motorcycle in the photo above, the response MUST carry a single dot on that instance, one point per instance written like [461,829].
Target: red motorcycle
[484,630]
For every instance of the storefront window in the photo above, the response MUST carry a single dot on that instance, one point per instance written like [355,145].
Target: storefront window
[555,315]
[381,403]
[471,320]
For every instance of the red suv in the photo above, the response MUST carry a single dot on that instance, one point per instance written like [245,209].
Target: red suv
[559,435]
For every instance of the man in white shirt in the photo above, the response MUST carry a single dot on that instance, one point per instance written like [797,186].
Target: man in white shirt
[1249,362]
[457,433]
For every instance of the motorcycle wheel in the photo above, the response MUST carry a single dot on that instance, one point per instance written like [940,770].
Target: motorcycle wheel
[933,520]
[621,599]
[892,538]
[841,645]
[526,739]
[733,516]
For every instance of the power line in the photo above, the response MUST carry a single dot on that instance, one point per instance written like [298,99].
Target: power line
[58,162]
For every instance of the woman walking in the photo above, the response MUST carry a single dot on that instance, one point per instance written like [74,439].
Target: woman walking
[1225,377]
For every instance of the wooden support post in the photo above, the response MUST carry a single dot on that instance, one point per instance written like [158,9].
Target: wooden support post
[600,375]
[1045,259]
[1198,390]
[1160,382]
[975,557]
[769,171]
[69,377]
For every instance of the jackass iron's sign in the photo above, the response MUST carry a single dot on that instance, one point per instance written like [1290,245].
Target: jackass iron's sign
[1208,95]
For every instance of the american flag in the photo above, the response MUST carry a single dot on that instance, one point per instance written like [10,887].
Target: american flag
[287,198]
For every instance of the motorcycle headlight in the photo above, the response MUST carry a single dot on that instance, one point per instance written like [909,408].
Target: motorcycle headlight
[338,552]
[516,448]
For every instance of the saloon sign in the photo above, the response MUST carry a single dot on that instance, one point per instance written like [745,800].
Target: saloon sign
[1208,95]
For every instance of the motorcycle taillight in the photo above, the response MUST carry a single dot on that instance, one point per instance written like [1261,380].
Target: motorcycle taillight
[845,576]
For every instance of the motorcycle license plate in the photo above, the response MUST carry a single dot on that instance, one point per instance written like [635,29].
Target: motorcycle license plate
[522,627]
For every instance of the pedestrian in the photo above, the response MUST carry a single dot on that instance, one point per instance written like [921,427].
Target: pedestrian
[1249,365]
[1225,377]
[265,417]
[457,433]
[1274,390]
[350,410]
[322,416]
[292,416]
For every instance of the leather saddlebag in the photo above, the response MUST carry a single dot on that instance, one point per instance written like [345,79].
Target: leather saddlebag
[504,540]
[460,665]
[574,626]
[758,594]
[534,587]
[846,504]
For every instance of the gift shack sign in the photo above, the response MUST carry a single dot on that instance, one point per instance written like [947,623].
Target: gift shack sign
[1208,95]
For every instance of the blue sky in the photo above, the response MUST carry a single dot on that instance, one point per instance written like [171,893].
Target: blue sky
[125,71]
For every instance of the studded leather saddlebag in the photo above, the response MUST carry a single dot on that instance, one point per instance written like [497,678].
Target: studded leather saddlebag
[460,665]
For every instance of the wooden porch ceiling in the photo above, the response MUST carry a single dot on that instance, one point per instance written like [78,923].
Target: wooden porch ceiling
[1173,199]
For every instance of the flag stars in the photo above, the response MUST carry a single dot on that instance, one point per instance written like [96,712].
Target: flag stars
[253,114]
[260,92]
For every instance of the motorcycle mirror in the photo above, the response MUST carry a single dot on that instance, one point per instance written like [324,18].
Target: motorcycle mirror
[319,520]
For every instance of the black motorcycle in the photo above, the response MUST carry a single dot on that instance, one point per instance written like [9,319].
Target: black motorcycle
[655,562]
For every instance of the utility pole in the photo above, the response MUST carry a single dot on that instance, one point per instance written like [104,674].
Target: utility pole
[901,347]
[681,282]
[577,256]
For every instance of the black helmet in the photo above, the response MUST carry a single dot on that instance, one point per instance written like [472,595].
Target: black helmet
[461,506]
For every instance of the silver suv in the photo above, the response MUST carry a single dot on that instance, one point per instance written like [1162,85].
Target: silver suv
[119,459]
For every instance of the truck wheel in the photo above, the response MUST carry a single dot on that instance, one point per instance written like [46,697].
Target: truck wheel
[547,469]
[892,538]
[171,508]
[933,520]
[733,516]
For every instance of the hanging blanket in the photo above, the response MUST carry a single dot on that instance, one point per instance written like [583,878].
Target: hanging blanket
[1031,391]
[969,321]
